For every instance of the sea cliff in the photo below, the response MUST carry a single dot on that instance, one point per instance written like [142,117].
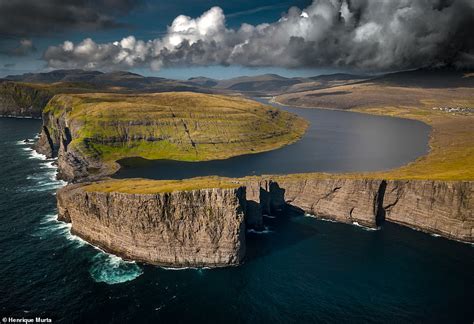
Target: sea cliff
[439,207]
[22,100]
[207,226]
[189,228]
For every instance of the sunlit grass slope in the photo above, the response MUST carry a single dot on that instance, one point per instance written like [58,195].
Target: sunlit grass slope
[174,125]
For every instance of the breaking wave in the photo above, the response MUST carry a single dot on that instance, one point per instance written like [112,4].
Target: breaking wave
[111,269]
[266,230]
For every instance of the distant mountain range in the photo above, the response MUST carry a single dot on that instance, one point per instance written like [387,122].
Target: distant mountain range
[257,85]
[266,84]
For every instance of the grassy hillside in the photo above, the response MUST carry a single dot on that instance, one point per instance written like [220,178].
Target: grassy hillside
[177,125]
[29,99]
[22,99]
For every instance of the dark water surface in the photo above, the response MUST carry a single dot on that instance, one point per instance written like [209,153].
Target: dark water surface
[336,141]
[302,270]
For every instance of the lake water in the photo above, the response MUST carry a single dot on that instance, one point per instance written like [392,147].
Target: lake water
[336,141]
[301,270]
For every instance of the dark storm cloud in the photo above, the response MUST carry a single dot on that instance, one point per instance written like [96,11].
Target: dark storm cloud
[364,34]
[26,18]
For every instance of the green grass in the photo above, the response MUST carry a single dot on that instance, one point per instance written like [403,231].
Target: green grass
[177,125]
[146,186]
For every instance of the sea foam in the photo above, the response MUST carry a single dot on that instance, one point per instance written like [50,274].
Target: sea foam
[266,230]
[111,269]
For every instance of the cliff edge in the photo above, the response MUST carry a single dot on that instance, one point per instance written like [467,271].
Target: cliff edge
[204,227]
[191,223]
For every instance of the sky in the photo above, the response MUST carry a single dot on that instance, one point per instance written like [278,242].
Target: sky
[222,39]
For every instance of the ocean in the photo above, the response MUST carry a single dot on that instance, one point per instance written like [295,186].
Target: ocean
[299,270]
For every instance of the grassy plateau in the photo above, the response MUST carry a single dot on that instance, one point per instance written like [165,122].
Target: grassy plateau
[181,126]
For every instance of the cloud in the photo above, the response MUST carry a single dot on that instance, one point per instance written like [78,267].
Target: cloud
[26,18]
[361,34]
[23,48]
[257,10]
[9,65]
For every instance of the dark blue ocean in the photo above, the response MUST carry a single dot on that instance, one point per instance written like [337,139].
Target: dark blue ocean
[301,270]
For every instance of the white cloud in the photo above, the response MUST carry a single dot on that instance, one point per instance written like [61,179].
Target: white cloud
[366,34]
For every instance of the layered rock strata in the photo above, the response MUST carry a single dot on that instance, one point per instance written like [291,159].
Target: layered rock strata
[439,207]
[56,134]
[206,227]
[189,228]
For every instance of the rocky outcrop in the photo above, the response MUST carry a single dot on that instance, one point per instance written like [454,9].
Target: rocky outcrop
[440,207]
[189,228]
[22,100]
[57,133]
[342,200]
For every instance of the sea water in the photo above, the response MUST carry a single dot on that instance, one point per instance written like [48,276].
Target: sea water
[298,270]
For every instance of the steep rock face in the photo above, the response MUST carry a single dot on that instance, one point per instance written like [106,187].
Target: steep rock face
[440,207]
[21,100]
[342,200]
[56,134]
[207,227]
[190,228]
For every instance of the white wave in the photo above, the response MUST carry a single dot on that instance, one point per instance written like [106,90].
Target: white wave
[269,216]
[266,230]
[185,268]
[22,142]
[178,269]
[45,186]
[106,267]
[38,156]
[111,269]
[365,227]
[320,218]
[51,224]
[22,117]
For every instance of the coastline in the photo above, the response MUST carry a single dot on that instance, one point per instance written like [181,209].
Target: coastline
[369,175]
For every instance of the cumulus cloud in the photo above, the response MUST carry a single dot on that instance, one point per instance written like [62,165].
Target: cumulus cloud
[26,18]
[363,34]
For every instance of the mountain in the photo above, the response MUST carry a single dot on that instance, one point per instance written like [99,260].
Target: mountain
[326,81]
[202,81]
[55,76]
[428,78]
[266,83]
[115,81]
[417,88]
[338,77]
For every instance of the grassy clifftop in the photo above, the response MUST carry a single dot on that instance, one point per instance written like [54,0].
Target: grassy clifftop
[176,125]
[146,186]
[29,99]
[17,99]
